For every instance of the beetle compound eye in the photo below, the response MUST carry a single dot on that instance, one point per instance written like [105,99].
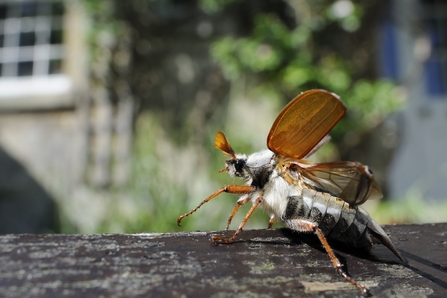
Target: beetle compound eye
[240,163]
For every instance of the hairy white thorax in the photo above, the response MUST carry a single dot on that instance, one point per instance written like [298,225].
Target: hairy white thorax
[276,190]
[260,159]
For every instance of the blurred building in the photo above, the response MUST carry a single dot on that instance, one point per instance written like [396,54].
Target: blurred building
[53,122]
[43,76]
[415,54]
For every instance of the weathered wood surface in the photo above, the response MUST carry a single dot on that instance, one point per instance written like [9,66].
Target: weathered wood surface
[263,263]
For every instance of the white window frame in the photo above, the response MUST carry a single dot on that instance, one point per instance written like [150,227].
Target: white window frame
[41,90]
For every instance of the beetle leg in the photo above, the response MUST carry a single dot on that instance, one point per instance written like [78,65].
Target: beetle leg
[240,202]
[308,226]
[234,189]
[244,221]
[271,221]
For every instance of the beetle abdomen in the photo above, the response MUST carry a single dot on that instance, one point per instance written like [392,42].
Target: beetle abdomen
[336,219]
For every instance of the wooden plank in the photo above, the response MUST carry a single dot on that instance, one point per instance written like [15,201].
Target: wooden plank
[263,263]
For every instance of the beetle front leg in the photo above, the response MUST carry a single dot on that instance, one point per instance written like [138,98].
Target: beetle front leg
[233,189]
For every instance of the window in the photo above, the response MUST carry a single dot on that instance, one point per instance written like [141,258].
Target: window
[435,21]
[397,52]
[32,54]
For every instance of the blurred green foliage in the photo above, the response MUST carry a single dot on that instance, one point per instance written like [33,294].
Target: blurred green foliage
[152,201]
[212,6]
[285,60]
[277,61]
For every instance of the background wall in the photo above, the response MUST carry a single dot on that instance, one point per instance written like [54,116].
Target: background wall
[129,146]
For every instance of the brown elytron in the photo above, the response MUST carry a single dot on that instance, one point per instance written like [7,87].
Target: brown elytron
[304,122]
[319,198]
